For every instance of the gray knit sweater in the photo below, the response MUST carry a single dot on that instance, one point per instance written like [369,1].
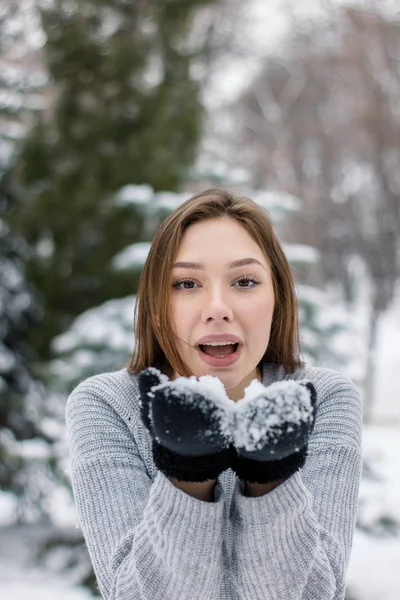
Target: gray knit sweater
[149,540]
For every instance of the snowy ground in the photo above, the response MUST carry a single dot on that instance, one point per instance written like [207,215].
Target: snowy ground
[374,572]
[20,579]
[36,585]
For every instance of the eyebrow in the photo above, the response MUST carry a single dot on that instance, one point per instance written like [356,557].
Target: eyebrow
[236,263]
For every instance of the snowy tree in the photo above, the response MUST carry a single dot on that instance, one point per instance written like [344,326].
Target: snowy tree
[126,81]
[26,432]
[23,77]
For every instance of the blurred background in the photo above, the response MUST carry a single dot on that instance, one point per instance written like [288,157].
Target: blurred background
[112,113]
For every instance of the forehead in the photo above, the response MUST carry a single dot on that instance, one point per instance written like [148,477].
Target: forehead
[222,237]
[219,243]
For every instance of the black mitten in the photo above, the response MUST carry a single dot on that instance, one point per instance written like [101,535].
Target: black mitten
[272,431]
[184,423]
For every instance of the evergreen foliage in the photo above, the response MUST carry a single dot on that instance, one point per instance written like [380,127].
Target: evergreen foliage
[125,108]
[24,445]
[22,78]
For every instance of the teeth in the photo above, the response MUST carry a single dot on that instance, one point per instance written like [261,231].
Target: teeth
[218,343]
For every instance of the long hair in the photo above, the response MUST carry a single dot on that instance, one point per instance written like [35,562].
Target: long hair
[154,338]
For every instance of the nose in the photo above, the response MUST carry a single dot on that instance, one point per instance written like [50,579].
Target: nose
[216,307]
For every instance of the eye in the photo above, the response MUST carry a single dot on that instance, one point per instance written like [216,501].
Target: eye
[247,279]
[178,283]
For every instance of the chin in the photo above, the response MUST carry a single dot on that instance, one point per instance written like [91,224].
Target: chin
[230,381]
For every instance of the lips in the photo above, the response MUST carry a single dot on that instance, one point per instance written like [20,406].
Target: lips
[229,338]
[221,362]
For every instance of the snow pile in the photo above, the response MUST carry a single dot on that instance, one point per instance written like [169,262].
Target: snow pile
[264,413]
[259,417]
[37,584]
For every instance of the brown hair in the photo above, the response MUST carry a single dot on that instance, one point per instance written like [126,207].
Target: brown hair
[154,344]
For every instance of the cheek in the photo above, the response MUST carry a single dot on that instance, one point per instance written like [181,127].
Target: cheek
[180,314]
[258,321]
[174,312]
[269,306]
[261,309]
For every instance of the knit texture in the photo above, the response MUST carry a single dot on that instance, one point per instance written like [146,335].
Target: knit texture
[149,540]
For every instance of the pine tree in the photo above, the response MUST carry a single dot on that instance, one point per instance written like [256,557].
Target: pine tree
[22,77]
[125,107]
[25,445]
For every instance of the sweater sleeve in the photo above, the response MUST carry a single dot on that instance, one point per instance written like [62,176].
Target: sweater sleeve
[294,543]
[146,539]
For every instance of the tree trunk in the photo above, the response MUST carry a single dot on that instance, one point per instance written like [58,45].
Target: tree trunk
[369,387]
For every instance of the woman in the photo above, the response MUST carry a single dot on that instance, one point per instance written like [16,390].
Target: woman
[217,465]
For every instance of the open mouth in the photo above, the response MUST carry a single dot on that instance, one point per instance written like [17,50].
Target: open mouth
[219,351]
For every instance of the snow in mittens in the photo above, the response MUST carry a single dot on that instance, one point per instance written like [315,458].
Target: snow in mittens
[259,415]
[264,411]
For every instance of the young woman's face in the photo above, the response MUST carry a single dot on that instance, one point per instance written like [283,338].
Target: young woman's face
[219,299]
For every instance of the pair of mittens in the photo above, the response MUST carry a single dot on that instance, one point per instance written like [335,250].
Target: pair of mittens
[198,432]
